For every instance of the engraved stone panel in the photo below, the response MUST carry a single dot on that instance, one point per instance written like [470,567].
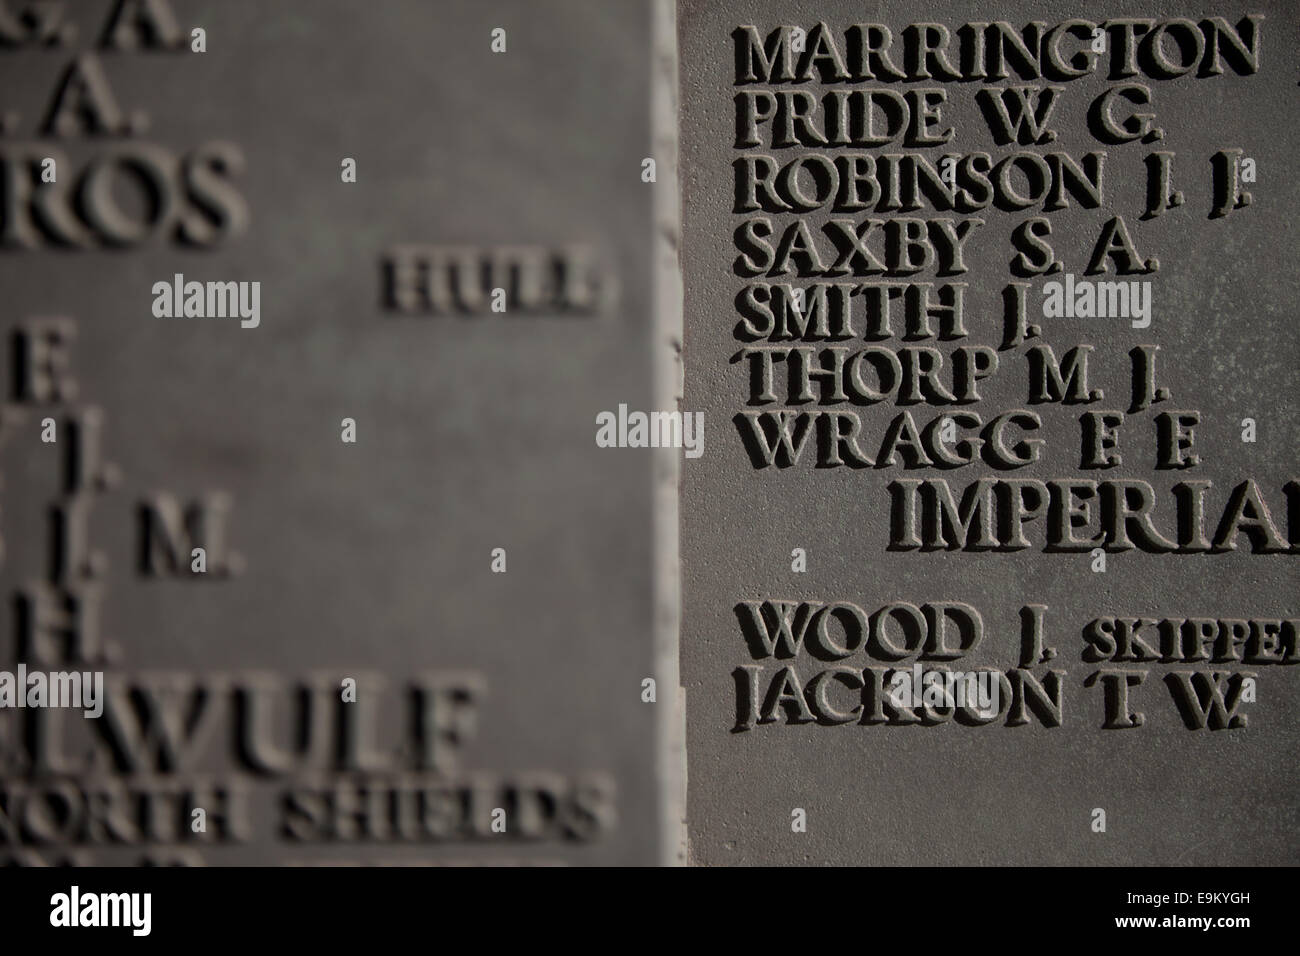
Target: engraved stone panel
[993,317]
[323,315]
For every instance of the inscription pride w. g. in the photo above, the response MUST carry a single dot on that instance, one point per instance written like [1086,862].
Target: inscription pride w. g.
[843,316]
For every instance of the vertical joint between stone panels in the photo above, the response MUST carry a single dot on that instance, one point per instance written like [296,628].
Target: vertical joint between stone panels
[668,380]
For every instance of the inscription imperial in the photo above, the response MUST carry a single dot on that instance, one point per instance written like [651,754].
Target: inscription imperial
[1007,321]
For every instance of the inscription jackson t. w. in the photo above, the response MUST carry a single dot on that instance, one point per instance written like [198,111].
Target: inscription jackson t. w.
[998,313]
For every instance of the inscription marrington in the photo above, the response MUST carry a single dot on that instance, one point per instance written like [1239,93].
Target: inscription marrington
[310,653]
[1000,309]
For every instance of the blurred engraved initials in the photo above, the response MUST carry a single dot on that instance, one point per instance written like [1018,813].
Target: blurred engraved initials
[170,534]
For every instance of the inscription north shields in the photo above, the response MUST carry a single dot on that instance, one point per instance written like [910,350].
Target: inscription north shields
[295,640]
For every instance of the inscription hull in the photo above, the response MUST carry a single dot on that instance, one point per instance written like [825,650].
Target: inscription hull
[389,493]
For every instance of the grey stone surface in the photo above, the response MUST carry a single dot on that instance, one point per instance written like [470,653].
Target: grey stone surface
[368,560]
[1223,316]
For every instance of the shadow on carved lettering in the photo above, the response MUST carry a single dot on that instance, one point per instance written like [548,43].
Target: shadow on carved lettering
[23,629]
[1155,187]
[1024,268]
[757,387]
[1204,702]
[1292,491]
[1097,124]
[1024,135]
[112,224]
[779,452]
